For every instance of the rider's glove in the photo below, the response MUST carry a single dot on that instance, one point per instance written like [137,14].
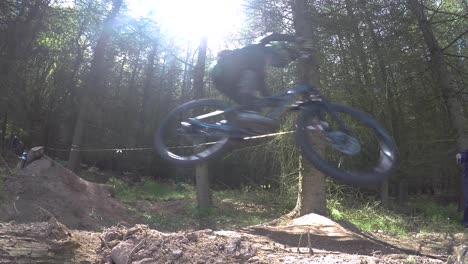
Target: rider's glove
[458,158]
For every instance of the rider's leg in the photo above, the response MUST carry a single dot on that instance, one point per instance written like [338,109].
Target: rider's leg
[247,89]
[249,115]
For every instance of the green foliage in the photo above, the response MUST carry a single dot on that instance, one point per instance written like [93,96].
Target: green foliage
[232,208]
[122,191]
[168,221]
[239,208]
[156,190]
[372,216]
[367,213]
[250,206]
[2,190]
[150,190]
[371,54]
[430,216]
[3,172]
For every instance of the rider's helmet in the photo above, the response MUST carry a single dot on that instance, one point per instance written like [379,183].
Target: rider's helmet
[224,54]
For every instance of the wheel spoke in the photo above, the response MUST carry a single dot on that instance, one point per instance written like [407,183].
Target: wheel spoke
[346,144]
[193,132]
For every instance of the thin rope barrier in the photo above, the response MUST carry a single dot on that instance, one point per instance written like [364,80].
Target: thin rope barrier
[121,150]
[269,135]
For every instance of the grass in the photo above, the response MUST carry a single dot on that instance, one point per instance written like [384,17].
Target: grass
[3,172]
[431,217]
[2,190]
[369,217]
[168,222]
[241,208]
[150,190]
[420,215]
[232,209]
[235,209]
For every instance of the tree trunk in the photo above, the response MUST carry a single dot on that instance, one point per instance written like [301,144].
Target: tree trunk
[444,81]
[201,172]
[350,84]
[146,118]
[202,180]
[442,75]
[384,192]
[74,158]
[359,44]
[186,81]
[402,191]
[199,71]
[384,84]
[362,65]
[71,81]
[4,127]
[148,95]
[184,173]
[311,194]
[8,65]
[93,81]
[118,85]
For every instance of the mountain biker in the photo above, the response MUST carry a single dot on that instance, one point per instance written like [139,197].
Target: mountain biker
[240,73]
[462,159]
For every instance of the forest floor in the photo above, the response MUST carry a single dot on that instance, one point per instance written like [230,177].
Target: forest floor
[50,215]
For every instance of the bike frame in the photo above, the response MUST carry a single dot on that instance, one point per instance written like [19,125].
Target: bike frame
[280,103]
[289,99]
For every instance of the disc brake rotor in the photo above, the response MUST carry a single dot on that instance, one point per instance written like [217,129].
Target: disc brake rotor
[344,143]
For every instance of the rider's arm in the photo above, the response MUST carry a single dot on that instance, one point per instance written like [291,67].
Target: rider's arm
[277,37]
[302,49]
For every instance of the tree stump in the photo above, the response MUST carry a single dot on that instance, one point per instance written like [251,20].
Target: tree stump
[34,154]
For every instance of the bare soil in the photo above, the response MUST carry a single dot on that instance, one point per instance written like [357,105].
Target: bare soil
[46,188]
[52,216]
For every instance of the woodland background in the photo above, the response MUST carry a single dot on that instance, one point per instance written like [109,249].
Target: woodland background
[91,75]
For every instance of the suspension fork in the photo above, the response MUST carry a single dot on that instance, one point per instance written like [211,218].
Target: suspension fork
[314,95]
[334,116]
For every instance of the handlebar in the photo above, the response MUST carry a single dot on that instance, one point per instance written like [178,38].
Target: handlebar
[303,48]
[277,37]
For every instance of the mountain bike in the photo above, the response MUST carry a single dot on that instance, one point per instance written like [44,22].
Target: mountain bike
[344,143]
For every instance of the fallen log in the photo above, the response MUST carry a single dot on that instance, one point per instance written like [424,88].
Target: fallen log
[49,242]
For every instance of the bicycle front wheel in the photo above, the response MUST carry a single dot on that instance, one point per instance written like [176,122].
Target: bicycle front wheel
[346,144]
[192,133]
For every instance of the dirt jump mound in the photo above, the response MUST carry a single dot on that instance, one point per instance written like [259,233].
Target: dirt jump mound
[48,204]
[45,188]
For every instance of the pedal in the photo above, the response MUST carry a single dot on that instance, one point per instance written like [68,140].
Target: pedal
[186,124]
[322,125]
[222,122]
[296,106]
[185,129]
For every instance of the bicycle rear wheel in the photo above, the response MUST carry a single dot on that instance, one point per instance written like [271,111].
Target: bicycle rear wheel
[186,142]
[346,144]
